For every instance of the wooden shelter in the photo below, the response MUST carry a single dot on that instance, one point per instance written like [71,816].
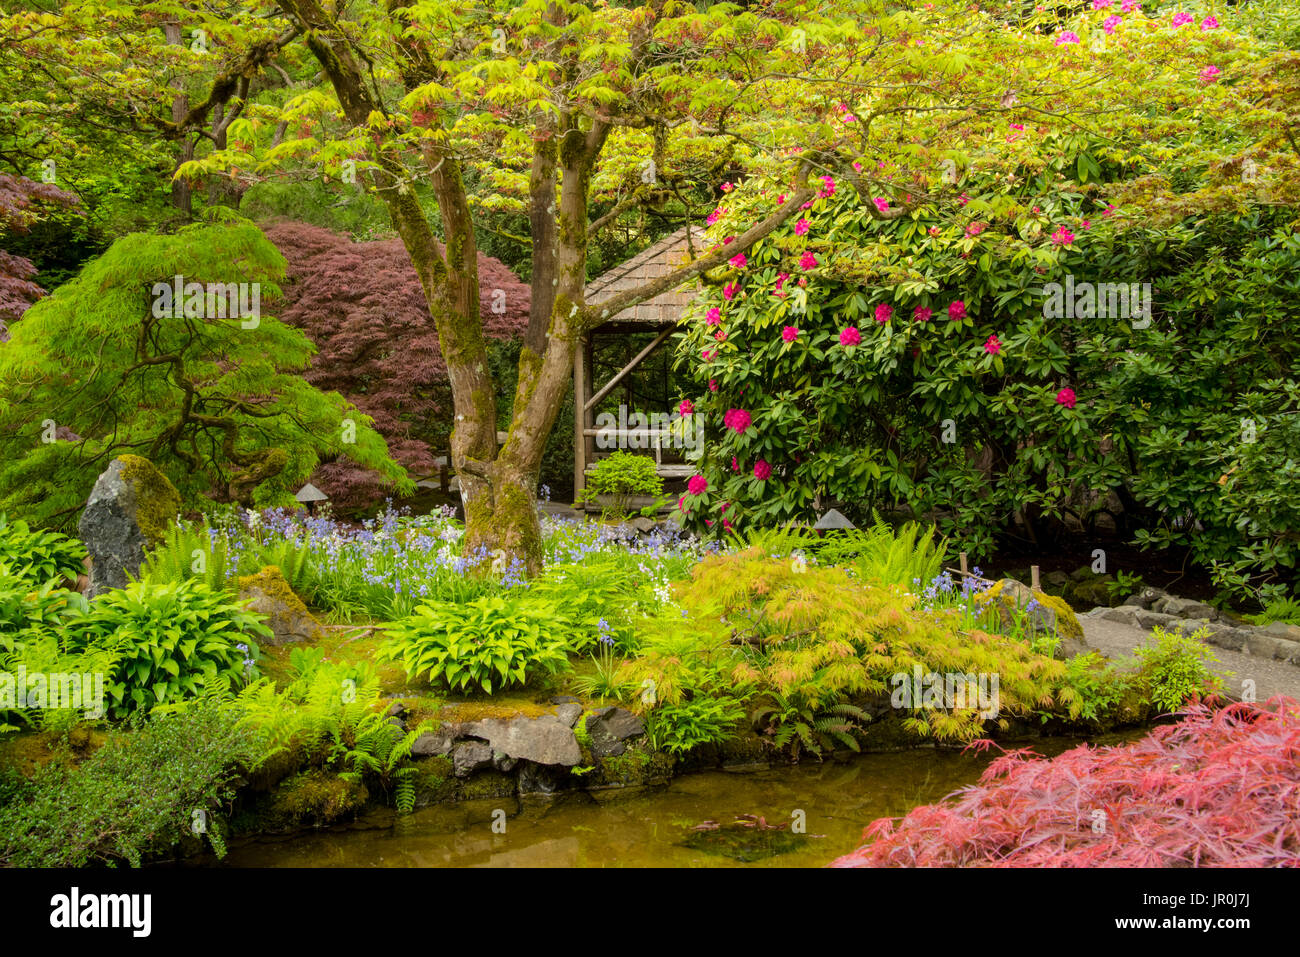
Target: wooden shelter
[659,315]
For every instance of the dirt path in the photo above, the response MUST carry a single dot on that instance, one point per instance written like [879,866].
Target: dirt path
[1117,640]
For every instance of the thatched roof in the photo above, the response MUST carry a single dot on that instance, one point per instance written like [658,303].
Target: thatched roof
[663,257]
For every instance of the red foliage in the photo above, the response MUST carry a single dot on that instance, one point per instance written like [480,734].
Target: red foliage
[20,199]
[1220,788]
[362,305]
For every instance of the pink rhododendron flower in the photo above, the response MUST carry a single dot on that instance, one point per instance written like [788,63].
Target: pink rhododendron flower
[697,485]
[1210,74]
[781,277]
[687,407]
[735,467]
[882,204]
[801,227]
[1111,23]
[828,187]
[726,525]
[707,355]
[1069,36]
[1062,236]
[1086,224]
[1109,210]
[681,503]
[713,316]
[714,216]
[850,336]
[737,420]
[739,260]
[807,205]
[1066,398]
[1209,23]
[884,312]
[857,166]
[727,187]
[992,346]
[1100,4]
[789,333]
[957,310]
[729,291]
[1181,18]
[720,335]
[807,260]
[762,470]
[974,229]
[729,239]
[963,199]
[1128,6]
[713,385]
[803,281]
[934,230]
[922,313]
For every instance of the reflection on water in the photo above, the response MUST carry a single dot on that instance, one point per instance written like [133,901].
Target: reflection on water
[671,826]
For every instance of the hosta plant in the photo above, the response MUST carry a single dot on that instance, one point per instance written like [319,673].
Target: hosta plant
[172,641]
[485,645]
[38,556]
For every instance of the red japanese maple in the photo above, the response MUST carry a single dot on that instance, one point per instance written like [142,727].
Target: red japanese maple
[362,305]
[1219,788]
[20,202]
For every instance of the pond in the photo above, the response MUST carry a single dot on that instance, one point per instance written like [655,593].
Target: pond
[668,826]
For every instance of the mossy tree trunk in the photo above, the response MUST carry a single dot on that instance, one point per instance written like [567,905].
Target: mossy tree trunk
[498,486]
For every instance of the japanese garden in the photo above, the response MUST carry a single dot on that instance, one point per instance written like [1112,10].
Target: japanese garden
[862,433]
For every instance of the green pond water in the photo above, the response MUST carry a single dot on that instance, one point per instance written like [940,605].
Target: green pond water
[649,827]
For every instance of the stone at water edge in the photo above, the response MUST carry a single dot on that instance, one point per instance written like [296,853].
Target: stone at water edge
[270,596]
[544,740]
[129,511]
[610,729]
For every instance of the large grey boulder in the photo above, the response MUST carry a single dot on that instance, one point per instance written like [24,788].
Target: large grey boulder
[128,512]
[544,740]
[470,756]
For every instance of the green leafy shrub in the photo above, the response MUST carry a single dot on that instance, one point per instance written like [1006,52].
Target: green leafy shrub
[906,555]
[1177,669]
[25,609]
[137,796]
[619,477]
[689,723]
[171,641]
[38,556]
[489,643]
[1285,610]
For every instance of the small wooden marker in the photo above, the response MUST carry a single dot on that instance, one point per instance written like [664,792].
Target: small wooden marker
[1033,578]
[962,559]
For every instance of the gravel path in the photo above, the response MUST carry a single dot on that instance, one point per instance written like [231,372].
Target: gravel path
[1117,640]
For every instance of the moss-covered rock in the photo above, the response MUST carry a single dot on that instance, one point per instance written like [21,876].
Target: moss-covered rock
[157,501]
[129,511]
[1046,612]
[269,595]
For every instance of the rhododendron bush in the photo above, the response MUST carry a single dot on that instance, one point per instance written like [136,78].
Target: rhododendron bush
[1217,789]
[920,339]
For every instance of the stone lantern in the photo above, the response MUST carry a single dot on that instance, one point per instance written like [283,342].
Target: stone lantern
[309,495]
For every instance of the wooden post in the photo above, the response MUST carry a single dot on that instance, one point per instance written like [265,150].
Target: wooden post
[962,559]
[1033,578]
[580,388]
